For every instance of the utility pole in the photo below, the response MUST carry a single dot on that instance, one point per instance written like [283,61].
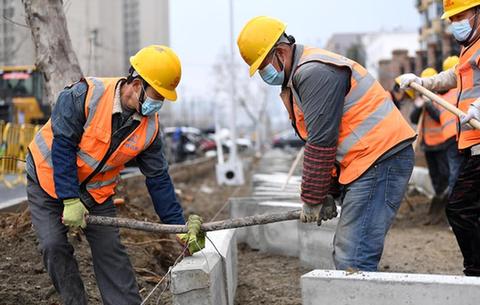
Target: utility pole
[231,172]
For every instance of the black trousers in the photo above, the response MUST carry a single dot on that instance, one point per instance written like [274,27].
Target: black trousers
[463,213]
[113,270]
[437,163]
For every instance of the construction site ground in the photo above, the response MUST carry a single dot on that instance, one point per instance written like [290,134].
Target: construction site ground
[411,246]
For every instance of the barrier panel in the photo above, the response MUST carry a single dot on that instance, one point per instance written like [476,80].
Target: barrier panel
[14,141]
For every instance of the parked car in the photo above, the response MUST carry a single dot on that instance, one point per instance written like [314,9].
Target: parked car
[287,138]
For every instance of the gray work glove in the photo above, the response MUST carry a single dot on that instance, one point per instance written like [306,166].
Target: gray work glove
[473,113]
[407,79]
[319,212]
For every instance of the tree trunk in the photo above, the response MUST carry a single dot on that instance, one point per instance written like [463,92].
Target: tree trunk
[55,57]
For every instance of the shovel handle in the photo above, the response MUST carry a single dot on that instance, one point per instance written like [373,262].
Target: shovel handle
[445,104]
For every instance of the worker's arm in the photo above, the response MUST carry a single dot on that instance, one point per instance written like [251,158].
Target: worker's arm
[154,166]
[68,118]
[443,81]
[322,89]
[433,111]
[415,114]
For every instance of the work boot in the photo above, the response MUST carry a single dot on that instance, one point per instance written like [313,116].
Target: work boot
[436,211]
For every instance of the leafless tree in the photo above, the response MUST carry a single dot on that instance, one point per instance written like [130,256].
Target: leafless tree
[251,93]
[55,57]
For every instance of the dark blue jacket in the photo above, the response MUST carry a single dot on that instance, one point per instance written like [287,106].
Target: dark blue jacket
[68,119]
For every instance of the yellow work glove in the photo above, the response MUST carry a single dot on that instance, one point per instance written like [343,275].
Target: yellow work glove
[74,213]
[195,238]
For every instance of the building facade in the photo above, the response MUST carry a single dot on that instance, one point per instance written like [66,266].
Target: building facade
[434,35]
[104,33]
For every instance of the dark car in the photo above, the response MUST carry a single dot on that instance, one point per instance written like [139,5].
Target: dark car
[287,138]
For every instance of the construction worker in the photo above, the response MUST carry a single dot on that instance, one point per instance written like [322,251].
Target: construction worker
[463,209]
[433,144]
[98,125]
[449,126]
[397,95]
[347,119]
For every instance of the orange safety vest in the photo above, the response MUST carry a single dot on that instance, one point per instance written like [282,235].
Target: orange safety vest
[95,143]
[468,85]
[447,119]
[436,133]
[370,125]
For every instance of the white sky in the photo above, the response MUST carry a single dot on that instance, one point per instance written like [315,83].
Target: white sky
[200,29]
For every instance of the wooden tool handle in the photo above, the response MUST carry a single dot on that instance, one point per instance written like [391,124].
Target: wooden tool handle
[442,102]
[210,226]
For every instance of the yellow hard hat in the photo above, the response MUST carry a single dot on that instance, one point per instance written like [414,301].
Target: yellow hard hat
[454,7]
[257,38]
[160,67]
[428,72]
[409,92]
[450,62]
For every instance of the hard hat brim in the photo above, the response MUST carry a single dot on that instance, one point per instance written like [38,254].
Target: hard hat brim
[170,95]
[458,10]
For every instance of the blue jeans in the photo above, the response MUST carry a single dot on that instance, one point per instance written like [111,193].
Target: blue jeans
[368,210]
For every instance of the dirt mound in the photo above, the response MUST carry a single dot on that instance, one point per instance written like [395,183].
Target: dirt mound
[23,279]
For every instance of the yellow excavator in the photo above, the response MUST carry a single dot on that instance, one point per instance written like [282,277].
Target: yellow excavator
[21,92]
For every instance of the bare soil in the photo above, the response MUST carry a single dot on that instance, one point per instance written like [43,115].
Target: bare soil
[23,279]
[263,279]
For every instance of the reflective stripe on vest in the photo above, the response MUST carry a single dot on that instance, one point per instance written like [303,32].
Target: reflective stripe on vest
[447,119]
[95,143]
[432,131]
[468,85]
[370,125]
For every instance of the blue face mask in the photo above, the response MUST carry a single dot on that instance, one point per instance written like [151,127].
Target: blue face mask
[271,76]
[150,106]
[461,29]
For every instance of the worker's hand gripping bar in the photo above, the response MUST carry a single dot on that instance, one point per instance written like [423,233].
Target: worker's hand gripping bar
[449,107]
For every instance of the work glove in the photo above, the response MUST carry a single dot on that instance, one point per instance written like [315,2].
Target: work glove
[74,213]
[473,113]
[319,212]
[407,79]
[195,238]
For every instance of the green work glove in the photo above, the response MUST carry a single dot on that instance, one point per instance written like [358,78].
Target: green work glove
[195,238]
[74,213]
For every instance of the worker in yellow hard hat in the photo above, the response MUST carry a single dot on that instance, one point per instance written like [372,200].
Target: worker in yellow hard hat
[464,203]
[74,164]
[433,143]
[339,110]
[450,62]
[398,95]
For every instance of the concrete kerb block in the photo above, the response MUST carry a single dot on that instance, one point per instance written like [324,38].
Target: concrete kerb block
[276,178]
[375,288]
[247,206]
[276,194]
[224,241]
[14,205]
[208,277]
[281,237]
[241,207]
[316,243]
[198,279]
